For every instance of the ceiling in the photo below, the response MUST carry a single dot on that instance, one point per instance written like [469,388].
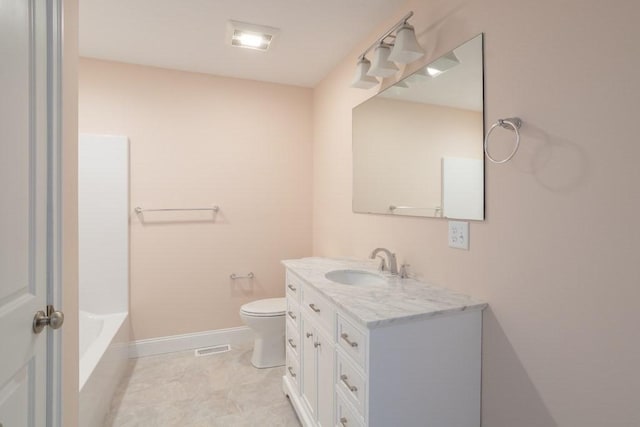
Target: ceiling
[191,34]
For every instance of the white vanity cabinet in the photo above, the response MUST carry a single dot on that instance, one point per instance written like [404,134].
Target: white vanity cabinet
[418,371]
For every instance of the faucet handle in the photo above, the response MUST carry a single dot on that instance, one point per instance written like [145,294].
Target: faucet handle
[403,271]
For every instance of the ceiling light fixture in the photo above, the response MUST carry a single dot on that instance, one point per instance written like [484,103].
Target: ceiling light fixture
[250,36]
[401,48]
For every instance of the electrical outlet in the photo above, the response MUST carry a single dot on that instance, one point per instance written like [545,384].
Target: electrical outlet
[459,235]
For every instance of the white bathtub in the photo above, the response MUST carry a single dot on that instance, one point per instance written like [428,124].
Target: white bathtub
[103,362]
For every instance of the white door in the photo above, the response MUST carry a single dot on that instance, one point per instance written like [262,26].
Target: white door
[24,265]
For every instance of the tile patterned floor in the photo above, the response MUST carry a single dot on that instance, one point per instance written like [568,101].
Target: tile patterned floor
[179,389]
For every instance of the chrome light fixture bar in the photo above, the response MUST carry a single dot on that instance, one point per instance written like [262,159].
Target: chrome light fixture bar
[402,49]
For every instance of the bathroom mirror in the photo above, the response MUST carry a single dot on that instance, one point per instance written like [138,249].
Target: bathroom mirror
[418,145]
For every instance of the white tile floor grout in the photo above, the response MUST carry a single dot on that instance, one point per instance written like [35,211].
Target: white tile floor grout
[180,389]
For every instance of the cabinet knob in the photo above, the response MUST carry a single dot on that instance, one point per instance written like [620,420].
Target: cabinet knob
[344,421]
[316,344]
[309,334]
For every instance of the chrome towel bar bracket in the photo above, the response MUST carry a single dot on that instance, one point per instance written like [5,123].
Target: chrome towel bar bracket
[512,123]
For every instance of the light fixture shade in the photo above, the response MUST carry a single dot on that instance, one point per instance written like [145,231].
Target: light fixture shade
[381,66]
[361,80]
[406,48]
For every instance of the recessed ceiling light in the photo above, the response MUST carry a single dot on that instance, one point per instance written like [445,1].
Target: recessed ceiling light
[250,36]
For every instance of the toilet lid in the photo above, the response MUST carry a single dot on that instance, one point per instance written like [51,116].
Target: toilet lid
[266,307]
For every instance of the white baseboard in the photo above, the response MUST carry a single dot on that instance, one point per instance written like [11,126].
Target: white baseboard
[161,345]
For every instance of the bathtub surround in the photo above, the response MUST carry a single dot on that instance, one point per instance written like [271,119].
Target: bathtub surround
[103,223]
[103,235]
[200,140]
[561,275]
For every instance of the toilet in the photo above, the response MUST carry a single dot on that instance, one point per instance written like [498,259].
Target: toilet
[266,318]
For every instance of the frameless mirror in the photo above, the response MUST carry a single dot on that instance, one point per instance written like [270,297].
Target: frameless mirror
[418,145]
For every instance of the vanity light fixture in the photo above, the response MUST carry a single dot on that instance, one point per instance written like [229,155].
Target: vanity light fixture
[250,36]
[398,44]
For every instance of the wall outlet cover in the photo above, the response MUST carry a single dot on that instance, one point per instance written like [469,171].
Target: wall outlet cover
[459,235]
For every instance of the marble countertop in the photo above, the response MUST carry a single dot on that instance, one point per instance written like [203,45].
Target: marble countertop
[377,305]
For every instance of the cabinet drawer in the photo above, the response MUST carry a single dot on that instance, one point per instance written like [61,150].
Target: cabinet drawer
[351,382]
[352,340]
[319,309]
[293,286]
[293,339]
[346,416]
[292,371]
[293,313]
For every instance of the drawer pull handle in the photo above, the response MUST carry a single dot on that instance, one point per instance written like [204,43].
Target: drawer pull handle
[345,379]
[309,334]
[346,338]
[314,308]
[293,316]
[344,421]
[291,343]
[293,288]
[293,374]
[316,344]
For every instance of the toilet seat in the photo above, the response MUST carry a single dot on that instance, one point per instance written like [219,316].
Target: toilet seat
[270,307]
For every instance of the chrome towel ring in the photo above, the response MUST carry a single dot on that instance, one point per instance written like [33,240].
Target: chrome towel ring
[513,123]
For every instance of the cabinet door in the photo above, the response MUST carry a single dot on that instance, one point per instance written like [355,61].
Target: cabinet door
[325,354]
[308,369]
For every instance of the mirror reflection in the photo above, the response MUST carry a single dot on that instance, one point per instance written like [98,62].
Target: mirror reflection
[417,146]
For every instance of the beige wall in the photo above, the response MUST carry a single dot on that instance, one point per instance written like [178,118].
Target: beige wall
[198,140]
[557,257]
[70,356]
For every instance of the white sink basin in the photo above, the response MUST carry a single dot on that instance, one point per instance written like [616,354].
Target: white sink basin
[355,277]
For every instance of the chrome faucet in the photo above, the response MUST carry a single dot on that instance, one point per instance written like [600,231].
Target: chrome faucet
[392,263]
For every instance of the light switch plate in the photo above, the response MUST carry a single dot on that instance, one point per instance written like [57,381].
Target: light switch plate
[459,235]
